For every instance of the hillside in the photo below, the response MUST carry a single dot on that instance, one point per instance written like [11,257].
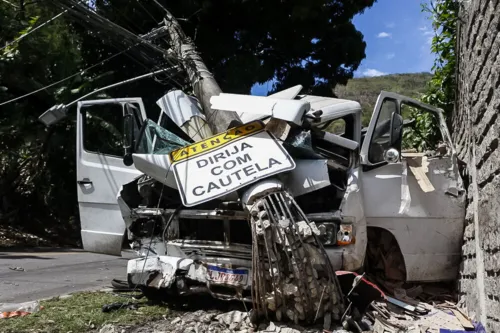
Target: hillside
[366,90]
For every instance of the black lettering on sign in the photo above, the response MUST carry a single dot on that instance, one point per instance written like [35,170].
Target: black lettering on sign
[259,167]
[212,186]
[244,159]
[216,173]
[202,163]
[213,142]
[272,162]
[218,156]
[237,174]
[248,170]
[229,165]
[229,181]
[198,190]
[204,145]
[245,145]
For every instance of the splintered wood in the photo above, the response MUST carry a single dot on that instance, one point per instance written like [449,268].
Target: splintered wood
[292,276]
[396,316]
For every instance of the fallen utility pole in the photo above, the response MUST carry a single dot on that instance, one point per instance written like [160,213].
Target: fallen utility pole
[202,81]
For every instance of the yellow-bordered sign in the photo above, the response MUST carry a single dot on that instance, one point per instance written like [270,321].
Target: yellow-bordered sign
[215,141]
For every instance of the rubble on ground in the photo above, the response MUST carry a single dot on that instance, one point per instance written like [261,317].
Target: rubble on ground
[210,321]
[403,312]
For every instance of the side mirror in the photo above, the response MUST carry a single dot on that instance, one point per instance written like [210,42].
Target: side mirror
[396,128]
[391,155]
[128,139]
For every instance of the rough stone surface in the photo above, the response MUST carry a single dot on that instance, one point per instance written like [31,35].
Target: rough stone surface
[476,129]
[210,321]
[108,328]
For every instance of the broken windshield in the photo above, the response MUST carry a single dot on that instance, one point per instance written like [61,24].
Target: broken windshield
[155,139]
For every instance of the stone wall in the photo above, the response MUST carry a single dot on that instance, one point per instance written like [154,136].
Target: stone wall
[476,131]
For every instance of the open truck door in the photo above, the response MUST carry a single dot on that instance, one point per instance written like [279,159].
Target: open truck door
[102,169]
[417,197]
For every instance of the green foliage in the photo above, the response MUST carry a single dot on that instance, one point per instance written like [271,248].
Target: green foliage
[441,88]
[366,90]
[311,42]
[82,313]
[423,133]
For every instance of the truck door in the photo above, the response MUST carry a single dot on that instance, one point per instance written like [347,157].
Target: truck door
[417,197]
[101,171]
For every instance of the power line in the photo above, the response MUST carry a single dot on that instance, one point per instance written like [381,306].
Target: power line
[32,31]
[147,11]
[69,77]
[122,83]
[10,3]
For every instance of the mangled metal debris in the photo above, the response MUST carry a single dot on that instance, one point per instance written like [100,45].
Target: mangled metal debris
[267,211]
[292,276]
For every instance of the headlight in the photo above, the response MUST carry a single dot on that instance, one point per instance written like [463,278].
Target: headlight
[345,235]
[337,234]
[328,233]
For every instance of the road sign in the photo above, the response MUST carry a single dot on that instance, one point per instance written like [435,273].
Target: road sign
[219,165]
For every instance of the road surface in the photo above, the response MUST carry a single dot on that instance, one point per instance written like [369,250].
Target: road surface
[53,272]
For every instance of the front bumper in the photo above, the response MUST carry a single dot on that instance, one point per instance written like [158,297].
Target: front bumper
[183,276]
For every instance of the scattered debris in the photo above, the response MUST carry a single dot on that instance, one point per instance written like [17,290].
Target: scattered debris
[11,310]
[410,315]
[19,269]
[118,306]
[210,321]
[108,328]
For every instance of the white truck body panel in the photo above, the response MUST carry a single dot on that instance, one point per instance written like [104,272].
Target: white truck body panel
[427,220]
[99,178]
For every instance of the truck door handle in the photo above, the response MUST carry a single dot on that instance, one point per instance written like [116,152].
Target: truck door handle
[84,181]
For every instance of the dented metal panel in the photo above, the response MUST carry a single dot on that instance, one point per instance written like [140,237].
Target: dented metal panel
[429,229]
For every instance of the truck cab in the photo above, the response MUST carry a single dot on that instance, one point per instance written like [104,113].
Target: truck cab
[353,182]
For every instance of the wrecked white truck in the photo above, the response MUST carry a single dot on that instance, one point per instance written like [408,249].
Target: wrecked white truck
[194,204]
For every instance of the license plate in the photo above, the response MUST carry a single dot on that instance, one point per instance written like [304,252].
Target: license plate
[219,275]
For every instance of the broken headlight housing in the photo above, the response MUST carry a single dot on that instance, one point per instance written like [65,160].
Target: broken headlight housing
[328,233]
[337,234]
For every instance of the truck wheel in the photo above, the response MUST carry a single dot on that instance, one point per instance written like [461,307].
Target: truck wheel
[384,258]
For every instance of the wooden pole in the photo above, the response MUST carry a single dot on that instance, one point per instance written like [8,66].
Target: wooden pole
[202,81]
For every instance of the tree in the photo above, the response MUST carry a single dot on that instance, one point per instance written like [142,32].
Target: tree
[36,166]
[312,42]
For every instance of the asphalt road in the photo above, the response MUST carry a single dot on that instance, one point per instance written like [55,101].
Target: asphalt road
[53,272]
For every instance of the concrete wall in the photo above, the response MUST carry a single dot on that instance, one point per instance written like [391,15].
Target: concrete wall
[476,133]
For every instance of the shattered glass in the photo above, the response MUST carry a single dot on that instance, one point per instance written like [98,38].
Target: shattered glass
[300,146]
[157,140]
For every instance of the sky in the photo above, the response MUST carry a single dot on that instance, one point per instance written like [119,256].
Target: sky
[397,35]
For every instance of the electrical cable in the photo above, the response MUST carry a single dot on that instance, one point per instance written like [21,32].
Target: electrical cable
[32,31]
[67,78]
[147,11]
[15,6]
[84,13]
[91,17]
[119,84]
[160,5]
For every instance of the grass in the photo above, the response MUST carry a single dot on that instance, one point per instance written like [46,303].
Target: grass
[366,90]
[81,313]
